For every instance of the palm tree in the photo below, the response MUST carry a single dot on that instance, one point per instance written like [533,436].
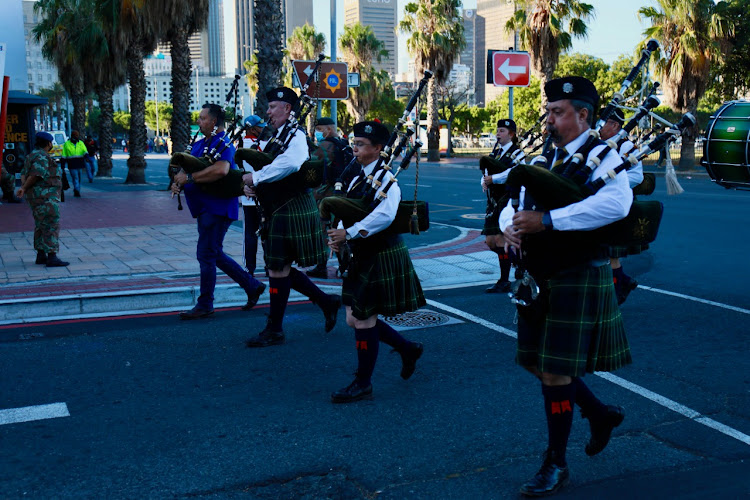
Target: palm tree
[55,94]
[269,34]
[305,44]
[541,24]
[436,37]
[690,33]
[359,48]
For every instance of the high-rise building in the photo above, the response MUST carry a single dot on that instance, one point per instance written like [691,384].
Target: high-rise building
[381,15]
[296,13]
[470,56]
[494,14]
[207,46]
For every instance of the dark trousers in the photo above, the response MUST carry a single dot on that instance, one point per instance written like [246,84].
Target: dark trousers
[211,231]
[251,225]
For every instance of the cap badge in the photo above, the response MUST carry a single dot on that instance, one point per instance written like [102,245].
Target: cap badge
[567,87]
[279,94]
[368,129]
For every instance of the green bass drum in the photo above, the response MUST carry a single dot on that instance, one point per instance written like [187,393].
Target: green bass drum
[726,156]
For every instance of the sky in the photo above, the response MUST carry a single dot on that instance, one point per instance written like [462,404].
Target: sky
[614,31]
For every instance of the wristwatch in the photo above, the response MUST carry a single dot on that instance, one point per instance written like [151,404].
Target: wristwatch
[348,236]
[189,179]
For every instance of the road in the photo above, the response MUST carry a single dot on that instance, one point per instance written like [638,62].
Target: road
[159,408]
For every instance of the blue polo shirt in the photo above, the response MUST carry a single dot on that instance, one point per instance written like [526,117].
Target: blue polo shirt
[198,201]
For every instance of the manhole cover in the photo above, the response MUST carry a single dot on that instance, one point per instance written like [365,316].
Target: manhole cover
[419,319]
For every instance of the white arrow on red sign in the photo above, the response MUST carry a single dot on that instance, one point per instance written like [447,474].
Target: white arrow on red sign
[510,68]
[506,69]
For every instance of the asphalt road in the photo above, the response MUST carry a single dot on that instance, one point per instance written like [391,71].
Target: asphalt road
[160,408]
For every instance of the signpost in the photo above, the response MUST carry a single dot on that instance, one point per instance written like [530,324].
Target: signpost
[333,79]
[510,68]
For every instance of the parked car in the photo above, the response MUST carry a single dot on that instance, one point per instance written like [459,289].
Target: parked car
[487,140]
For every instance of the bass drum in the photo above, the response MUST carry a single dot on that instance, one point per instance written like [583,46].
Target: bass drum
[726,156]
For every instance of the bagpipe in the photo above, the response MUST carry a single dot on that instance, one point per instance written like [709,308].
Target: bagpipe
[310,175]
[412,216]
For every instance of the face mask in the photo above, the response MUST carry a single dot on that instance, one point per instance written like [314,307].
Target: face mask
[318,136]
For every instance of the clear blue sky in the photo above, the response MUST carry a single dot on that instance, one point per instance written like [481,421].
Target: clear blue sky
[616,29]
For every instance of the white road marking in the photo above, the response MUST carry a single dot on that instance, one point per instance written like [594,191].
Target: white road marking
[30,413]
[625,384]
[695,299]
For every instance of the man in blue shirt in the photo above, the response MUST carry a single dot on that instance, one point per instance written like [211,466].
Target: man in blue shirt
[214,216]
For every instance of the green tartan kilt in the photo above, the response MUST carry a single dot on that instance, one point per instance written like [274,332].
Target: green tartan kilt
[576,327]
[382,283]
[618,252]
[295,234]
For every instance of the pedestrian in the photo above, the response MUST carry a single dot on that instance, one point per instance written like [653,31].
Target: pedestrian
[41,184]
[574,326]
[255,126]
[493,183]
[73,153]
[214,216]
[381,278]
[336,154]
[90,158]
[291,231]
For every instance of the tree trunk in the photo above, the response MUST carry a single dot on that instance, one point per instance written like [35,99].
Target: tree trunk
[269,32]
[433,122]
[78,97]
[137,135]
[181,71]
[105,93]
[687,149]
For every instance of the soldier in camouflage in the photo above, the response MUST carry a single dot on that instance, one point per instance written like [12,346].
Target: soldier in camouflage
[41,184]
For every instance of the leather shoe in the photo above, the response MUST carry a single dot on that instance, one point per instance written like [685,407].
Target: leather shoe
[502,286]
[252,297]
[266,338]
[601,429]
[41,258]
[549,480]
[196,313]
[76,193]
[331,311]
[622,290]
[409,357]
[54,261]
[352,392]
[318,272]
[12,199]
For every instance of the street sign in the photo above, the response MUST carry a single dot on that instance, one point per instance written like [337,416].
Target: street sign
[352,80]
[510,68]
[333,79]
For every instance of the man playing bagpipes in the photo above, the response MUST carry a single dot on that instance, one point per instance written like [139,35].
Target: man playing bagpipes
[291,226]
[624,284]
[493,183]
[381,278]
[214,216]
[574,326]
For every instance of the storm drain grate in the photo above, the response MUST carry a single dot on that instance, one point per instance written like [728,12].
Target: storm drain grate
[422,318]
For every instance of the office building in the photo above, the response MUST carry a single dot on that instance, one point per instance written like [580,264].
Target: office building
[492,15]
[381,15]
[206,46]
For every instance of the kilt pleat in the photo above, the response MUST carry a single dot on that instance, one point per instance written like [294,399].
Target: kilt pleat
[383,283]
[295,234]
[582,330]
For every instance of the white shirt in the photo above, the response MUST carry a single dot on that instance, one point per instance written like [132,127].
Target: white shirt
[248,201]
[611,203]
[287,162]
[502,176]
[635,173]
[384,214]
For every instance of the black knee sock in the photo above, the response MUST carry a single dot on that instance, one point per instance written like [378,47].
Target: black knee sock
[279,293]
[619,275]
[300,282]
[367,352]
[589,403]
[389,336]
[558,405]
[504,259]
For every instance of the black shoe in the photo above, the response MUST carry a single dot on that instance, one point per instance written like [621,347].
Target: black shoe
[76,193]
[409,357]
[54,261]
[252,297]
[196,313]
[353,392]
[266,338]
[318,272]
[41,258]
[331,311]
[548,481]
[13,199]
[601,429]
[518,273]
[502,286]
[623,290]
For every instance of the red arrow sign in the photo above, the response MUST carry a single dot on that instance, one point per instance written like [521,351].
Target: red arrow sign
[510,69]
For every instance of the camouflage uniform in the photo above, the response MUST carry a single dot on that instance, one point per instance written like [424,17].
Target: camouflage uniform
[7,183]
[44,200]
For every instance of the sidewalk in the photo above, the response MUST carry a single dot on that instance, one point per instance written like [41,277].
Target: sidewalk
[134,252]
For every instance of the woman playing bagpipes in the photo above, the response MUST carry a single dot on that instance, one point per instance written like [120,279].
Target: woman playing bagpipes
[214,215]
[574,326]
[291,224]
[380,278]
